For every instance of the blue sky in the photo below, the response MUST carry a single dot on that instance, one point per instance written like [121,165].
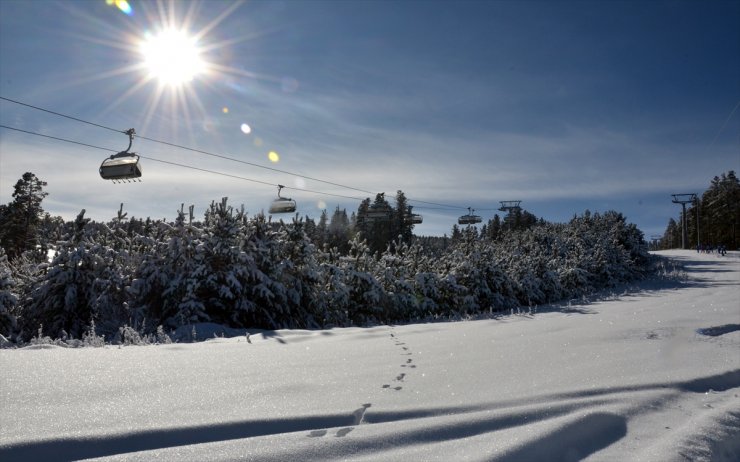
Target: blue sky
[566,106]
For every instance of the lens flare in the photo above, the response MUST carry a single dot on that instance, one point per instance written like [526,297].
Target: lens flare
[273,156]
[258,141]
[299,182]
[321,205]
[246,129]
[122,5]
[225,110]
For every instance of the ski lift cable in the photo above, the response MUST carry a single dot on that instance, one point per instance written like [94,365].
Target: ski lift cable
[200,151]
[62,115]
[220,156]
[57,138]
[181,164]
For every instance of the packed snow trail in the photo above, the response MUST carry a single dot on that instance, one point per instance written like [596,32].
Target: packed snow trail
[650,373]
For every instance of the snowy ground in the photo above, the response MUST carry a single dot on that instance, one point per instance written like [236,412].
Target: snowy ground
[652,374]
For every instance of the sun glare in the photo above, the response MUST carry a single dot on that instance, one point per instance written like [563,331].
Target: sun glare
[172,57]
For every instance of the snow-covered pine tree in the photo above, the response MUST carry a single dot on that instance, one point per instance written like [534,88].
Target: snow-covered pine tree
[332,303]
[392,273]
[300,273]
[83,278]
[8,298]
[162,286]
[366,297]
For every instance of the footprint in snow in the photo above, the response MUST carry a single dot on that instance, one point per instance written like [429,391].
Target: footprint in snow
[317,433]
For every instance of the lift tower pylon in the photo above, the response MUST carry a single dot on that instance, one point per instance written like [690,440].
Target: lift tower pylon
[509,206]
[683,199]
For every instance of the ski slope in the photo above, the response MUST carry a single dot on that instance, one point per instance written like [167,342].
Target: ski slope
[646,374]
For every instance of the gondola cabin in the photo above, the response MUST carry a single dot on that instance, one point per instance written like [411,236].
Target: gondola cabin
[121,167]
[283,205]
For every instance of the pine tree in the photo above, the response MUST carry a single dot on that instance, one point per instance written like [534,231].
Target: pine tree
[8,297]
[85,281]
[322,230]
[402,228]
[672,236]
[162,288]
[338,232]
[720,208]
[21,217]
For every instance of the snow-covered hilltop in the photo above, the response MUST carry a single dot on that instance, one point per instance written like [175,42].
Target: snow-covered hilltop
[649,374]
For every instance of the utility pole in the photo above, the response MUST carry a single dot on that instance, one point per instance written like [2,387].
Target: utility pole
[684,199]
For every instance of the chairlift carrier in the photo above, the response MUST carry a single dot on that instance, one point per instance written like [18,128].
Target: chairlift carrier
[413,218]
[282,204]
[469,219]
[122,166]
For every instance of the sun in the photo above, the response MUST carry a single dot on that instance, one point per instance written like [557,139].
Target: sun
[172,57]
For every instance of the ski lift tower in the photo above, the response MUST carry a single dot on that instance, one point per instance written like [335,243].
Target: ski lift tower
[508,207]
[683,199]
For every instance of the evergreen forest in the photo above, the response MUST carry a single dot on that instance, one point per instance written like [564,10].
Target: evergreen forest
[711,220]
[81,278]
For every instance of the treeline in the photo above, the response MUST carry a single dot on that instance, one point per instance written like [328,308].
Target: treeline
[251,272]
[712,220]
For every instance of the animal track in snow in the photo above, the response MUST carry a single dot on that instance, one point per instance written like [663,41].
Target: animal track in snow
[408,364]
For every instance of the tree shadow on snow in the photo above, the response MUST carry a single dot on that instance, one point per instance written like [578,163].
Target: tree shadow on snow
[572,441]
